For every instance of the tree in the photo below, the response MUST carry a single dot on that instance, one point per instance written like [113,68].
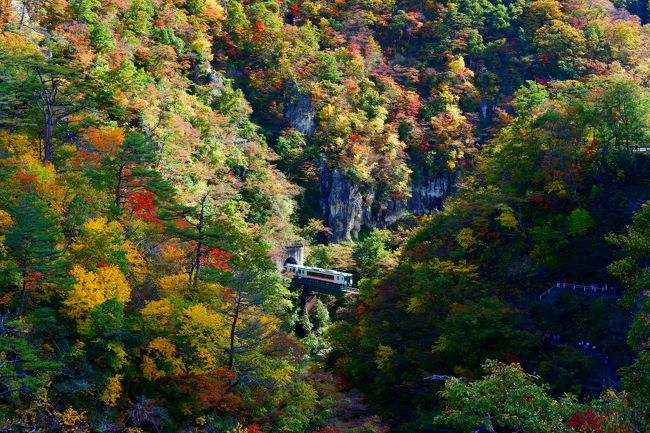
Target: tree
[23,367]
[249,327]
[373,252]
[33,243]
[505,399]
[619,113]
[197,223]
[132,171]
[37,83]
[634,271]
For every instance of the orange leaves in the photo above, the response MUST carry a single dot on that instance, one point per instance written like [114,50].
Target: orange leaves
[218,259]
[106,139]
[210,390]
[26,178]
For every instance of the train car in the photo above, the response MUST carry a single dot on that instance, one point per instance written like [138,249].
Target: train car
[319,275]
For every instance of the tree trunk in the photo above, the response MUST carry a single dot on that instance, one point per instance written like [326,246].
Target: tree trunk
[23,288]
[118,188]
[48,134]
[233,329]
[199,244]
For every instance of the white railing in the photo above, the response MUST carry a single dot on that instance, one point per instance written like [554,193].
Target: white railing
[579,288]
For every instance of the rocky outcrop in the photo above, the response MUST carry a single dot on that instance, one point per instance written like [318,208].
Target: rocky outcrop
[348,207]
[427,193]
[300,112]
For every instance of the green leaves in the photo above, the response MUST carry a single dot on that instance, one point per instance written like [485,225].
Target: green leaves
[505,398]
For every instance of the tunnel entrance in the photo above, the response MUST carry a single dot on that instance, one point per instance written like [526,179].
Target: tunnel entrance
[290,261]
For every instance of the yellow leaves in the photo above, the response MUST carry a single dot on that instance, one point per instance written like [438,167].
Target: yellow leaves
[161,360]
[173,284]
[214,11]
[93,288]
[415,305]
[206,332]
[5,220]
[18,44]
[558,187]
[623,38]
[102,241]
[283,374]
[101,226]
[112,391]
[73,421]
[202,323]
[173,258]
[120,357]
[466,239]
[160,310]
[137,264]
[457,65]
[383,357]
[202,45]
[327,112]
[163,347]
[18,144]
[507,218]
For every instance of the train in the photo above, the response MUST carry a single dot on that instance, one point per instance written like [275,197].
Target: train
[320,276]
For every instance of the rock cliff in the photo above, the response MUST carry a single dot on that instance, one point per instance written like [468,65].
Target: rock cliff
[348,207]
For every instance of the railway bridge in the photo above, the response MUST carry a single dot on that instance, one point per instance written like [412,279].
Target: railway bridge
[312,281]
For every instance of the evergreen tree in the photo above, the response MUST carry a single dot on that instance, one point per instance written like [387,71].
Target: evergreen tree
[33,244]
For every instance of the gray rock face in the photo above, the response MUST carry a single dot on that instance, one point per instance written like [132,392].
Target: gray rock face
[300,113]
[343,205]
[427,194]
[348,207]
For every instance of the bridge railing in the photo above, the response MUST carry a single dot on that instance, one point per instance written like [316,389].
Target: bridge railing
[579,288]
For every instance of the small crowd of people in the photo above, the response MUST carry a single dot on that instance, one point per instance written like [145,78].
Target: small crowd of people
[585,345]
[555,339]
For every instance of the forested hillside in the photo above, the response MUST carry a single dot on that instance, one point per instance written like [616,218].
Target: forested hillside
[457,158]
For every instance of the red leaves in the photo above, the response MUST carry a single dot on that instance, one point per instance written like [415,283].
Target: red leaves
[254,428]
[218,259]
[587,422]
[355,137]
[143,206]
[25,177]
[537,198]
[413,103]
[258,26]
[210,390]
[101,264]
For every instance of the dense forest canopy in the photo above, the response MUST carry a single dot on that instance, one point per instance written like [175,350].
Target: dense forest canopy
[456,160]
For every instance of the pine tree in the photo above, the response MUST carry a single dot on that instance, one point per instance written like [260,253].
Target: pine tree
[32,243]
